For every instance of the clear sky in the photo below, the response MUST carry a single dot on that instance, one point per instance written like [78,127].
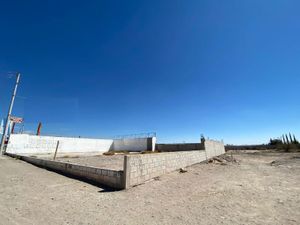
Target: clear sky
[227,69]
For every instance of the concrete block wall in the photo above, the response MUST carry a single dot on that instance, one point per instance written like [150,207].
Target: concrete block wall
[213,148]
[179,147]
[140,168]
[134,144]
[110,178]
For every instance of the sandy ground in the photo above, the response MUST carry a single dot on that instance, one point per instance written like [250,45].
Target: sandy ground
[263,188]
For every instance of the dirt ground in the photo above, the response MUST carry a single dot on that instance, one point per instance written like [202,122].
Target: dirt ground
[262,188]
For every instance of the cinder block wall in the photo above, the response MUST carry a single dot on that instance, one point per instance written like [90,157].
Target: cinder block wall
[179,147]
[134,144]
[213,148]
[111,178]
[140,168]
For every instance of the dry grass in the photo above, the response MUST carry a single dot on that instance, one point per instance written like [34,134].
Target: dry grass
[149,152]
[116,152]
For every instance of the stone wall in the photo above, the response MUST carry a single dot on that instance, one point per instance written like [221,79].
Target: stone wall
[143,167]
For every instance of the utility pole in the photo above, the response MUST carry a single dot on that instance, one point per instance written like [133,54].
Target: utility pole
[9,114]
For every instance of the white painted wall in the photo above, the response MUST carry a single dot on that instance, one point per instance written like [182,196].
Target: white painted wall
[31,144]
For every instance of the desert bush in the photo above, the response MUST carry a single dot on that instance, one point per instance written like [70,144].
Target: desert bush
[288,147]
[275,142]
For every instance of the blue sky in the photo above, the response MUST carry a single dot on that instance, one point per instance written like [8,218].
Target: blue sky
[227,69]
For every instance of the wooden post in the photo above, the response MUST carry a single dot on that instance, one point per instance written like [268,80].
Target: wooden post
[56,150]
[13,127]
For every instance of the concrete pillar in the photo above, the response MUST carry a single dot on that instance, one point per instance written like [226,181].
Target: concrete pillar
[127,171]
